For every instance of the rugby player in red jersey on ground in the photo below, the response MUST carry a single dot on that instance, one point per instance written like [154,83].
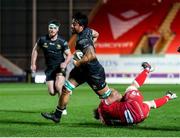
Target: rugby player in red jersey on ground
[130,108]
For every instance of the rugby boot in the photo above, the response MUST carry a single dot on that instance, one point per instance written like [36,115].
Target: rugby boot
[51,116]
[146,65]
[171,95]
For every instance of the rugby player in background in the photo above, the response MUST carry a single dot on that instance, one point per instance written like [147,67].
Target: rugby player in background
[54,47]
[130,108]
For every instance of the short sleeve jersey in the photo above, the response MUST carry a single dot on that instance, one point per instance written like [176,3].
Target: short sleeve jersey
[53,50]
[84,40]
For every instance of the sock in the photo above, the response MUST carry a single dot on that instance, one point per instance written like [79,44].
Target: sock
[58,112]
[140,79]
[161,101]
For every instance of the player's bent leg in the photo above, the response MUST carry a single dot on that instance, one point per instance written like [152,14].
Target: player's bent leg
[63,100]
[131,88]
[67,89]
[151,104]
[59,83]
[109,95]
[114,96]
[156,103]
[56,116]
[141,77]
[51,90]
[104,92]
[146,109]
[171,95]
[51,116]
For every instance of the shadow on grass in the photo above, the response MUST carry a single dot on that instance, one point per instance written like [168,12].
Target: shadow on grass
[17,117]
[18,111]
[151,128]
[90,125]
[85,125]
[131,127]
[165,128]
[10,121]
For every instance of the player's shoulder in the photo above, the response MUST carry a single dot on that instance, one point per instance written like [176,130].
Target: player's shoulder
[44,37]
[88,30]
[61,40]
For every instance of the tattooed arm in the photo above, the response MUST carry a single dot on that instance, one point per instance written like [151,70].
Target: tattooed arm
[89,55]
[95,35]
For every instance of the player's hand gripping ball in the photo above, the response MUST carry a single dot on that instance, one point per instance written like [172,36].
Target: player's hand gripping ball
[178,50]
[77,55]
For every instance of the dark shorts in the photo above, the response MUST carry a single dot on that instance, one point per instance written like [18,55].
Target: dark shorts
[95,79]
[52,72]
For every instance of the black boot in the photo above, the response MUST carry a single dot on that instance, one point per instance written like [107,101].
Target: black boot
[55,116]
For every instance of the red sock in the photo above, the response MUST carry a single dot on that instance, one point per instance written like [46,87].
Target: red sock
[161,101]
[140,79]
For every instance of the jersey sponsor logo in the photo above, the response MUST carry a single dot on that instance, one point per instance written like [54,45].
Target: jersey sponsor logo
[51,43]
[58,46]
[135,93]
[120,27]
[45,45]
[94,87]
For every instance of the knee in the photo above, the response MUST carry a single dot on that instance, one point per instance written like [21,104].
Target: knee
[68,87]
[130,88]
[52,92]
[58,88]
[65,91]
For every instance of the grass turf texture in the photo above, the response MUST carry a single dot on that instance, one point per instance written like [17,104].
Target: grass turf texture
[21,105]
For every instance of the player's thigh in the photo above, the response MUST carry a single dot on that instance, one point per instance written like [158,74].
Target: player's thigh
[133,95]
[146,109]
[59,81]
[97,83]
[50,75]
[77,76]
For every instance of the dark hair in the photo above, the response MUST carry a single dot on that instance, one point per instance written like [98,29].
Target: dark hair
[54,22]
[82,19]
[96,114]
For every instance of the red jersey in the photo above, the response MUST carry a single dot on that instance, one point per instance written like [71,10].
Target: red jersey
[130,110]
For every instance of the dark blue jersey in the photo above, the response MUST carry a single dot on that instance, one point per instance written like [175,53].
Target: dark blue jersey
[84,40]
[53,50]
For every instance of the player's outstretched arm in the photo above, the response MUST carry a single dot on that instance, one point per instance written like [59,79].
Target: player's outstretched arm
[34,58]
[68,58]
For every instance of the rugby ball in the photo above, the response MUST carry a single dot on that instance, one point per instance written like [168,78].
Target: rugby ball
[77,55]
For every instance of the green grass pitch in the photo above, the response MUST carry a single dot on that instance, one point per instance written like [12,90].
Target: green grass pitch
[21,105]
